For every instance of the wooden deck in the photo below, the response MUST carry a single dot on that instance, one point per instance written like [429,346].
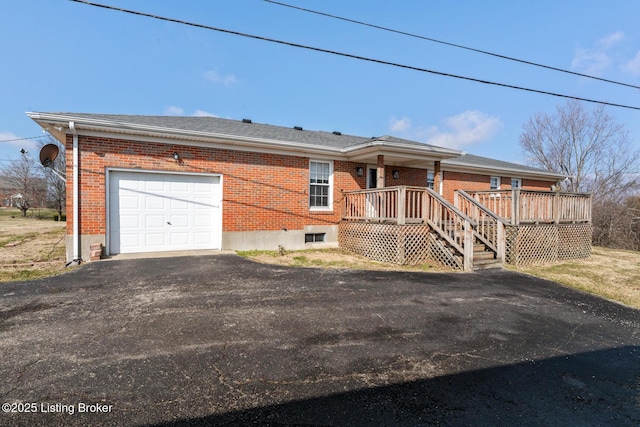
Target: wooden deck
[499,222]
[407,205]
[535,207]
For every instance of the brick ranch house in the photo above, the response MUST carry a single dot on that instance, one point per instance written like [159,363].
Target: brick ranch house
[164,183]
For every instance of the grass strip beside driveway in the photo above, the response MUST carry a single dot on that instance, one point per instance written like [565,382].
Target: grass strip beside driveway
[610,273]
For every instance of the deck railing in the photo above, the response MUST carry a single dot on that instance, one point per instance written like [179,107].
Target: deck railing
[405,205]
[527,206]
[399,205]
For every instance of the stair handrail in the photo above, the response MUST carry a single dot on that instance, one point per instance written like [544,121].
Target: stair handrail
[493,234]
[449,205]
[439,220]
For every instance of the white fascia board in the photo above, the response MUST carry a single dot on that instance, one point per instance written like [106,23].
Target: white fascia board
[302,151]
[512,172]
[95,127]
[98,127]
[381,147]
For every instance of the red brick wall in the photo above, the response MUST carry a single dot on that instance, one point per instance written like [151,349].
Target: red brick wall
[260,191]
[474,182]
[535,184]
[406,176]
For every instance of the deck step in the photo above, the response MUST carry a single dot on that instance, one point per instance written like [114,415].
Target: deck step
[483,264]
[482,255]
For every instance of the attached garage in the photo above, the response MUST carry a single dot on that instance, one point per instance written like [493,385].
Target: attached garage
[153,212]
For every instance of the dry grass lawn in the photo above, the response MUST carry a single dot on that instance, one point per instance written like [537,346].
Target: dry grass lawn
[610,273]
[30,248]
[332,258]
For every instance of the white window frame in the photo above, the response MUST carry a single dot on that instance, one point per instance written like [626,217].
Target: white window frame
[497,180]
[329,207]
[518,186]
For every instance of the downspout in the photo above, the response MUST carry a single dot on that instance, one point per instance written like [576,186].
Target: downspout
[76,196]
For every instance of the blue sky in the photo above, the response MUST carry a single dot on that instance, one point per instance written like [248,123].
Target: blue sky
[61,56]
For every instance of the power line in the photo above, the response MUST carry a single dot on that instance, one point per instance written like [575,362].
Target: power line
[497,55]
[352,56]
[23,139]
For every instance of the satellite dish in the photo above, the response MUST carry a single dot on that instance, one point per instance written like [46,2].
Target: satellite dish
[48,154]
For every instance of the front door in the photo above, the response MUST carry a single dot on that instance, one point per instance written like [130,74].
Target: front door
[372,176]
[372,208]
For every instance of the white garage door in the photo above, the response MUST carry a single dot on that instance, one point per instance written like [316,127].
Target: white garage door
[152,212]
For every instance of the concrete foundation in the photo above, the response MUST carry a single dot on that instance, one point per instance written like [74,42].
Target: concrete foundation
[86,240]
[272,240]
[239,240]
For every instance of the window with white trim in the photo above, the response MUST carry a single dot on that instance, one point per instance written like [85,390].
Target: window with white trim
[320,177]
[516,183]
[495,183]
[430,179]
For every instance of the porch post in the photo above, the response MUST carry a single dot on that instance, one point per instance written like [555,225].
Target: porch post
[467,247]
[501,244]
[437,183]
[402,203]
[515,206]
[380,180]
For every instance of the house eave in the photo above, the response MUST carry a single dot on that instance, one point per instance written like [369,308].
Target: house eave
[58,124]
[96,126]
[503,171]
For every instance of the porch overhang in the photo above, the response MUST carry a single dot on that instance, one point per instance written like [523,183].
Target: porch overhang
[452,165]
[398,154]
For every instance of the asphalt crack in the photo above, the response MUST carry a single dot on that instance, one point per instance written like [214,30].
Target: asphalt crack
[21,371]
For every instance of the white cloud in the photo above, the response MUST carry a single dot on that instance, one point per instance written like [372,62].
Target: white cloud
[591,61]
[464,129]
[216,77]
[202,113]
[399,125]
[172,110]
[609,40]
[596,60]
[633,66]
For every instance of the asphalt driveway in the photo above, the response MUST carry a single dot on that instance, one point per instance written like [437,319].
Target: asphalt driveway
[220,340]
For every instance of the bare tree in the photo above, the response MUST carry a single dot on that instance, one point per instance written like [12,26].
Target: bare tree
[595,151]
[56,187]
[589,145]
[25,177]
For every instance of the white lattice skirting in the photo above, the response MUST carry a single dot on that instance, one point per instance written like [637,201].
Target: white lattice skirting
[548,243]
[413,244]
[409,244]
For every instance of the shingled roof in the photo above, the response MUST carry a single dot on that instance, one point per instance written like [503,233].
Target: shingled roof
[215,127]
[242,128]
[479,162]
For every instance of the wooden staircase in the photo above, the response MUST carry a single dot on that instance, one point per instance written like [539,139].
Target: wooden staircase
[484,258]
[468,235]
